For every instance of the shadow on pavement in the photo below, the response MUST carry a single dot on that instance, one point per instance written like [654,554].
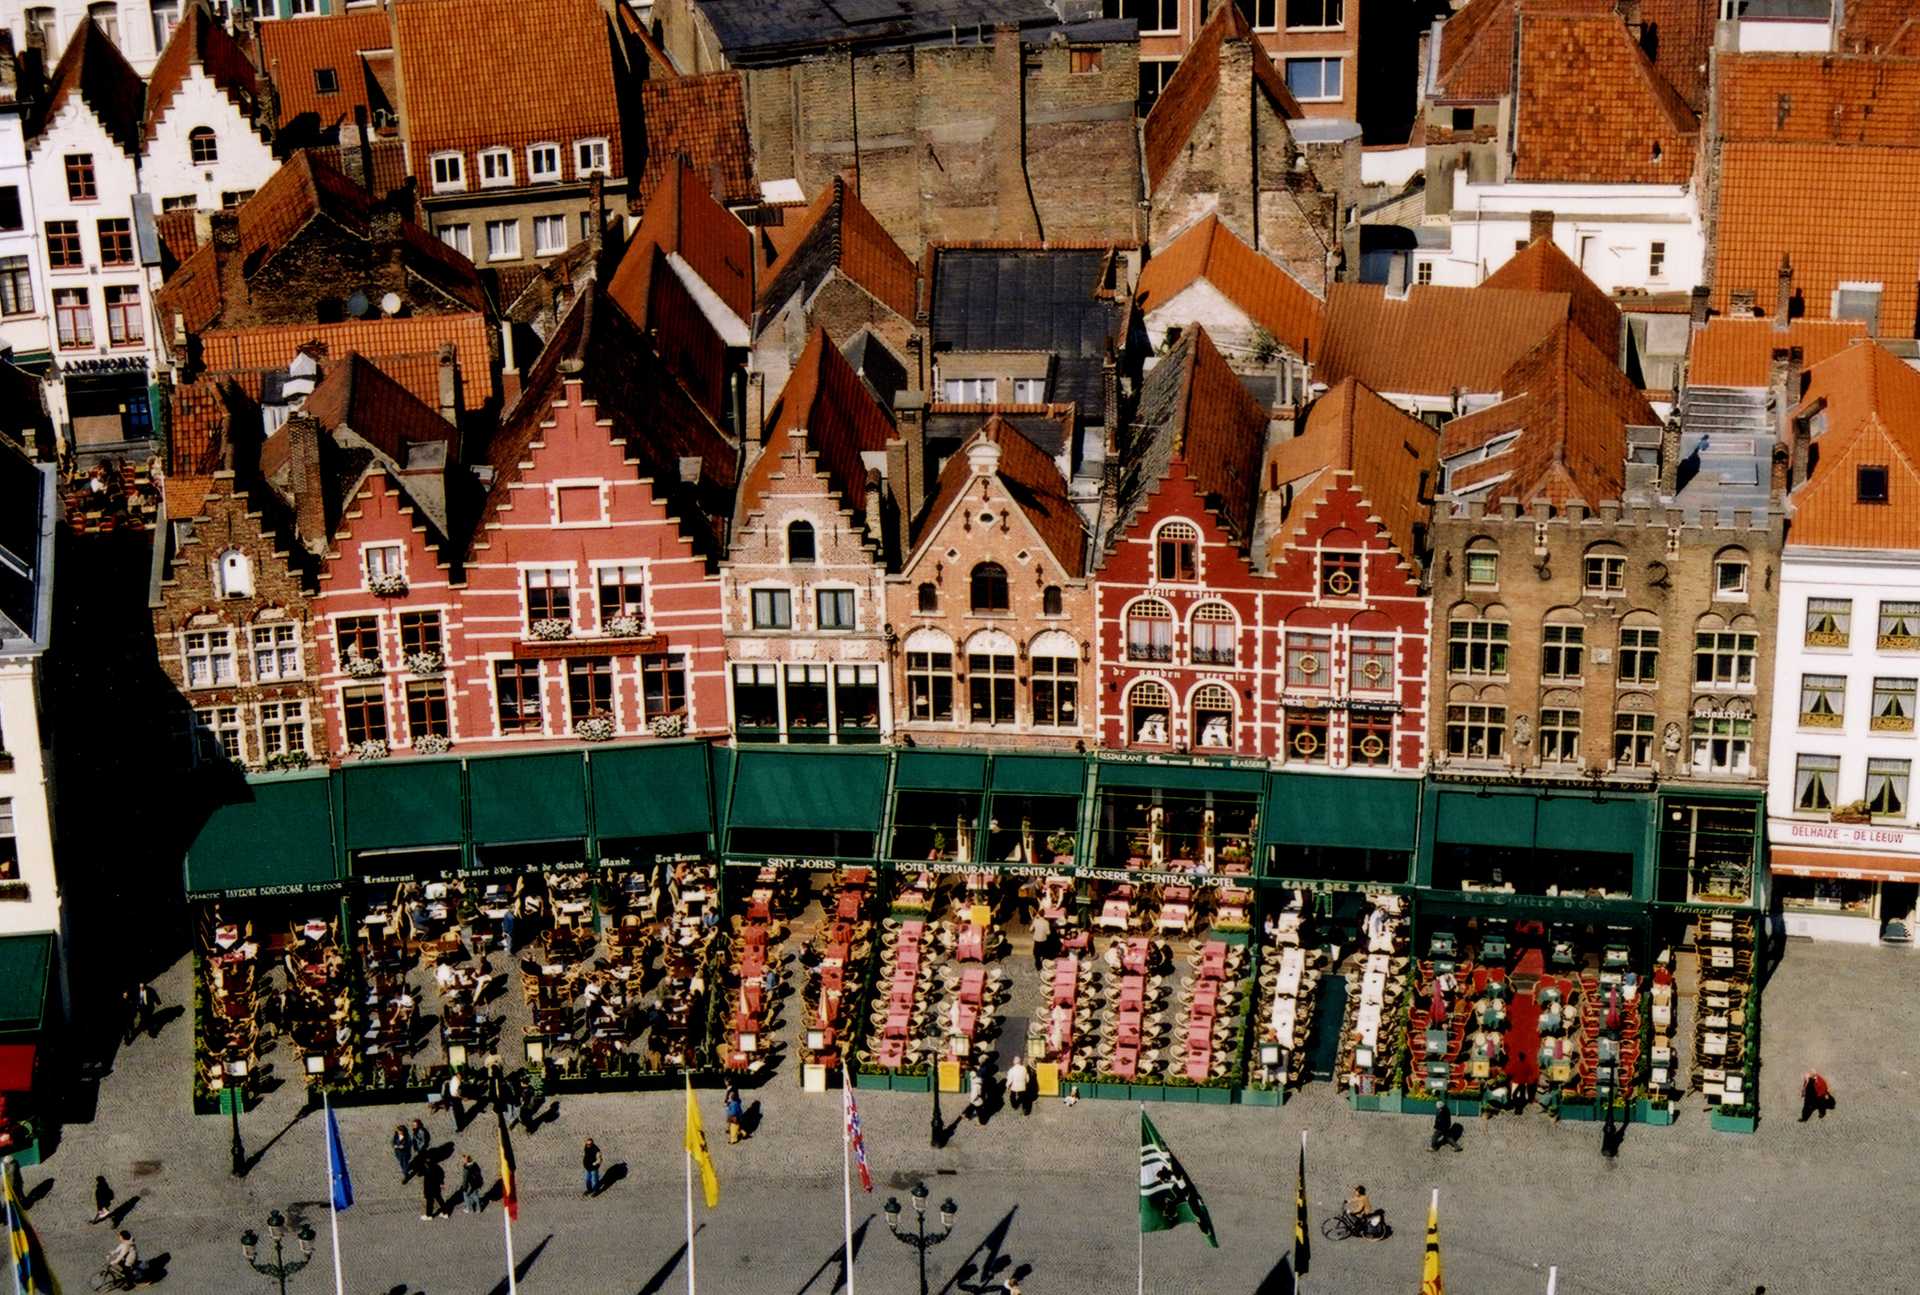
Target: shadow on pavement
[658,1282]
[521,1269]
[1280,1281]
[837,1261]
[991,1261]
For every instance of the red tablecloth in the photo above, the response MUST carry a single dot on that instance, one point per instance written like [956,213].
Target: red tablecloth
[971,946]
[1134,957]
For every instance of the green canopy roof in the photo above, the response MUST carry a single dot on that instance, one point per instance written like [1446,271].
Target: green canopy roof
[658,790]
[1345,810]
[277,840]
[399,804]
[1182,777]
[1469,818]
[26,964]
[939,771]
[521,798]
[1040,775]
[808,789]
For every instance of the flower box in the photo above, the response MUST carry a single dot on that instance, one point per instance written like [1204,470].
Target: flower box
[1256,1096]
[1147,1092]
[621,627]
[1180,1093]
[1577,1111]
[282,760]
[1417,1106]
[1738,1120]
[1210,1095]
[387,586]
[550,629]
[1110,1092]
[362,667]
[668,725]
[1646,1112]
[596,729]
[374,750]
[911,1083]
[872,1079]
[432,744]
[426,663]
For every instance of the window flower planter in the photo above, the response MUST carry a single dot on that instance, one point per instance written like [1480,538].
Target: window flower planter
[363,667]
[597,729]
[551,629]
[622,627]
[426,663]
[283,760]
[387,586]
[432,744]
[668,725]
[373,750]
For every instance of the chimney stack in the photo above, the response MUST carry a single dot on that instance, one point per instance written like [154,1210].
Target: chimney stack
[303,463]
[1238,174]
[875,534]
[1783,294]
[1018,220]
[1539,225]
[1670,456]
[907,456]
[356,154]
[223,232]
[1697,302]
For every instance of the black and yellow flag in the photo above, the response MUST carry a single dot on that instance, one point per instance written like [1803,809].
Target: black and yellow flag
[1431,1282]
[1302,1249]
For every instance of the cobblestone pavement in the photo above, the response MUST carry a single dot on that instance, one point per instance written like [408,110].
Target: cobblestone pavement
[1801,1208]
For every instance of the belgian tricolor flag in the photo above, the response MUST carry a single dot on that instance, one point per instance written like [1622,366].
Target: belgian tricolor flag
[509,1195]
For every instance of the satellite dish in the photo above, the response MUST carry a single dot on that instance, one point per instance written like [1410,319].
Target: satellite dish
[357,304]
[390,304]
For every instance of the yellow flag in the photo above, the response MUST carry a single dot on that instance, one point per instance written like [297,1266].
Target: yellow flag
[697,1148]
[1431,1283]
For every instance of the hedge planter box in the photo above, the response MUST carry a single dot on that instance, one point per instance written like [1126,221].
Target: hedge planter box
[1147,1092]
[1462,1108]
[1417,1106]
[912,1083]
[1645,1112]
[1726,1122]
[1180,1093]
[1577,1111]
[1108,1092]
[1261,1097]
[872,1079]
[1389,1102]
[1209,1096]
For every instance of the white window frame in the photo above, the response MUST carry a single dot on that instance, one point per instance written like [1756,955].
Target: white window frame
[559,245]
[1339,64]
[970,391]
[458,237]
[447,172]
[285,718]
[496,158]
[214,648]
[1029,391]
[216,722]
[821,593]
[537,174]
[274,642]
[509,247]
[592,156]
[382,560]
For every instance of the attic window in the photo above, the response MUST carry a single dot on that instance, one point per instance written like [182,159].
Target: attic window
[1656,150]
[1463,119]
[326,81]
[1083,61]
[1871,480]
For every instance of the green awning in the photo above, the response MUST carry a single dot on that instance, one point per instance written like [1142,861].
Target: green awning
[1040,775]
[279,840]
[26,964]
[814,790]
[652,790]
[939,771]
[1614,826]
[398,804]
[1347,811]
[1182,777]
[518,798]
[1464,818]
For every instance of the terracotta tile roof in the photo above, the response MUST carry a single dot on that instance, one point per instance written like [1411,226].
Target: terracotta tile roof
[659,64]
[199,40]
[1881,27]
[839,231]
[1543,267]
[179,232]
[407,349]
[1678,37]
[1271,297]
[197,427]
[826,409]
[388,155]
[354,393]
[1732,352]
[93,71]
[301,190]
[1195,409]
[1592,110]
[507,73]
[1030,480]
[1871,419]
[294,51]
[1433,340]
[1475,61]
[1820,99]
[1571,406]
[683,217]
[1195,85]
[703,118]
[659,303]
[1390,455]
[641,405]
[1841,213]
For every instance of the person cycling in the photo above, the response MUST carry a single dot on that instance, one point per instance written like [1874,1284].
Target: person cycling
[124,1261]
[1369,1221]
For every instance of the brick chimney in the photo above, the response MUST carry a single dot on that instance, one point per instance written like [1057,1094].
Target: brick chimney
[223,232]
[356,154]
[1238,207]
[596,220]
[875,529]
[1670,456]
[449,385]
[1539,225]
[304,479]
[1783,294]
[1018,220]
[1697,305]
[907,456]
[389,250]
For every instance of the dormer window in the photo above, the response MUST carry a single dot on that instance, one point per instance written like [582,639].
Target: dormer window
[1177,552]
[590,157]
[449,172]
[1871,483]
[326,81]
[233,575]
[800,542]
[543,163]
[203,145]
[496,168]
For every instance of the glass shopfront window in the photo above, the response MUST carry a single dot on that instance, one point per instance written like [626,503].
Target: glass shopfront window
[1829,895]
[1176,829]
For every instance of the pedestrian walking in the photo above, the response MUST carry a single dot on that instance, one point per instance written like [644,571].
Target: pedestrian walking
[1445,1132]
[1042,939]
[526,1100]
[1816,1096]
[976,1107]
[590,1162]
[473,1184]
[403,1152]
[130,1013]
[1020,1086]
[735,1113]
[432,1179]
[102,1199]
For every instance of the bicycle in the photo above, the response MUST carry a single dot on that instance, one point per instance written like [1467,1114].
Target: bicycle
[1344,1225]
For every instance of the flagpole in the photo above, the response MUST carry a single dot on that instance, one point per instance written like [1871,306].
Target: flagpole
[1553,1279]
[690,1275]
[333,1196]
[1140,1228]
[1299,1284]
[846,1172]
[506,1220]
[6,1195]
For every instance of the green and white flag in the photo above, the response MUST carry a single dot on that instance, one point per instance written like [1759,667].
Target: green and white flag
[1168,1197]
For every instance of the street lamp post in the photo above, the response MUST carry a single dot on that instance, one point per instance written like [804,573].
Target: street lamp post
[282,1267]
[918,1238]
[237,1149]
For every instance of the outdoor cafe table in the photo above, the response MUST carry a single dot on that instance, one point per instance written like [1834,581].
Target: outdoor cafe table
[1134,957]
[1113,914]
[972,943]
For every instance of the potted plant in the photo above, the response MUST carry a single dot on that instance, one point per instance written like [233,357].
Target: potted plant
[426,663]
[939,845]
[1061,844]
[392,586]
[668,725]
[594,728]
[362,667]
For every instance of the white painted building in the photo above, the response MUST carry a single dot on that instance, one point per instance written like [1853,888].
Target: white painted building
[199,144]
[32,918]
[1645,236]
[23,302]
[139,28]
[82,164]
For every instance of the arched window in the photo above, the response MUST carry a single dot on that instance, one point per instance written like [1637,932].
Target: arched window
[929,597]
[1483,564]
[203,145]
[1051,601]
[233,576]
[1215,632]
[1730,572]
[1150,631]
[929,676]
[1056,680]
[1213,717]
[1606,570]
[800,547]
[1177,552]
[990,697]
[1148,706]
[988,587]
[1477,642]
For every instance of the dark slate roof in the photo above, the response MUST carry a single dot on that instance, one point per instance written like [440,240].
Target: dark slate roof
[763,32]
[945,431]
[1022,299]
